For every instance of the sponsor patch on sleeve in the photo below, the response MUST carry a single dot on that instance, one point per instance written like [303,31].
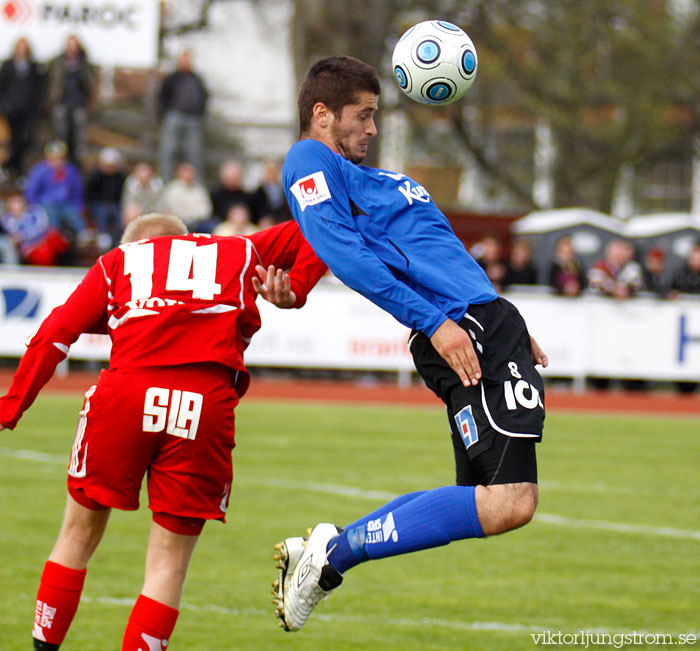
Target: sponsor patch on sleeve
[311,190]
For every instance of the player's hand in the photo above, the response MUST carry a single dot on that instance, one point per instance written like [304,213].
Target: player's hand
[274,286]
[455,346]
[2,427]
[538,355]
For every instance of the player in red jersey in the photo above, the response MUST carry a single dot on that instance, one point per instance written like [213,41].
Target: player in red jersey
[180,310]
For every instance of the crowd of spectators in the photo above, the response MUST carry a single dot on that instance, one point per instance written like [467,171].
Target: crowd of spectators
[68,212]
[620,273]
[68,205]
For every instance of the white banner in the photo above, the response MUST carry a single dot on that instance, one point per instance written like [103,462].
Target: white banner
[27,295]
[586,336]
[115,33]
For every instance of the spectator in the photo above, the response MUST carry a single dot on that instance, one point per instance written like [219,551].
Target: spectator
[182,102]
[656,279]
[38,242]
[237,222]
[103,192]
[488,254]
[21,90]
[519,268]
[142,188]
[617,274]
[186,197]
[8,250]
[269,203]
[55,184]
[687,280]
[565,273]
[71,83]
[229,191]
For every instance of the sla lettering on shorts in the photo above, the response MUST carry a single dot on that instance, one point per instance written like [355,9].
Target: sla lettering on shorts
[378,531]
[521,393]
[311,190]
[177,413]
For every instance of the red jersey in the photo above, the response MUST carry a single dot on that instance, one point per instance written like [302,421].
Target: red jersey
[168,300]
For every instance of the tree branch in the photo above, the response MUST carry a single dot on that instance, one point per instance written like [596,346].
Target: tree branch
[490,167]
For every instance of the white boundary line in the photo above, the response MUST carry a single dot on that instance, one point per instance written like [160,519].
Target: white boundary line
[407,622]
[366,494]
[617,526]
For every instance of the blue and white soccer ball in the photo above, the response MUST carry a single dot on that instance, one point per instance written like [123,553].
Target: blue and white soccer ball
[434,62]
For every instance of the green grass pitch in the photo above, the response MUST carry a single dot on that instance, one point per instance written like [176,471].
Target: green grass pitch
[615,547]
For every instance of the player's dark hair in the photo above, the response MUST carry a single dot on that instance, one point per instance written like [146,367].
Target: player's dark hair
[335,82]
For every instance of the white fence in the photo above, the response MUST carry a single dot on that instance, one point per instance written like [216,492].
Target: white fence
[584,337]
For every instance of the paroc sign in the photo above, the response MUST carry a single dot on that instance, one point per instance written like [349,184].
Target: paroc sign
[115,33]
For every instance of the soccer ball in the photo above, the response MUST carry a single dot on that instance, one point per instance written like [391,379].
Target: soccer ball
[434,62]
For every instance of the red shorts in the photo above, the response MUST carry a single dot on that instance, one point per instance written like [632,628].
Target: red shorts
[174,423]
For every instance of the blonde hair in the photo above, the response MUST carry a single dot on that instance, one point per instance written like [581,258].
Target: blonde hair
[153,225]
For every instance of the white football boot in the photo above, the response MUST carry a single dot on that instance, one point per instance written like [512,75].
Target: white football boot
[302,585]
[287,555]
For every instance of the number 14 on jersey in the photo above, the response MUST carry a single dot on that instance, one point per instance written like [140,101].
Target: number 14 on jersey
[191,268]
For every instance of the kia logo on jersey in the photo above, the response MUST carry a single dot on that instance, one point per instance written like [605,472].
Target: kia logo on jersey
[311,190]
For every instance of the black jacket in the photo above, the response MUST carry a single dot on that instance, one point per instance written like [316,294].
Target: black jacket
[21,93]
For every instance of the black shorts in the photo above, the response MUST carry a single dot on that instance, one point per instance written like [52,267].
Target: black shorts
[496,423]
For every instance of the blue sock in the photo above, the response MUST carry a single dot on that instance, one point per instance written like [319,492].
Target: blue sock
[428,519]
[345,555]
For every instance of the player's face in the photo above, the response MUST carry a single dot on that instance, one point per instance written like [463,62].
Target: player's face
[351,131]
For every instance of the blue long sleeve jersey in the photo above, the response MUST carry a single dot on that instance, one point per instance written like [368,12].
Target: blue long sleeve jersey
[382,235]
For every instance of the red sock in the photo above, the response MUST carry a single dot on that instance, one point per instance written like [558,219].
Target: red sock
[150,622]
[56,602]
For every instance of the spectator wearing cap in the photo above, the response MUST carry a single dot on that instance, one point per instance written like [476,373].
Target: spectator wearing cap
[55,184]
[656,280]
[71,86]
[103,192]
[182,102]
[21,91]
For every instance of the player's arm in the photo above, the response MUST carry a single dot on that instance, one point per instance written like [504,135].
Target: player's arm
[538,355]
[274,286]
[289,267]
[49,346]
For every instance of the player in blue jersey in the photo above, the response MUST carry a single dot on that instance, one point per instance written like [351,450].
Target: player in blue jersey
[382,235]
